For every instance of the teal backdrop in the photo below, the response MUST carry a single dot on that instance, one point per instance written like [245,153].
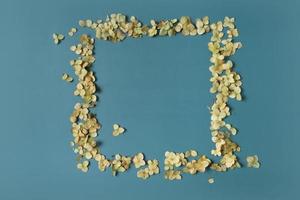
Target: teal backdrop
[158,88]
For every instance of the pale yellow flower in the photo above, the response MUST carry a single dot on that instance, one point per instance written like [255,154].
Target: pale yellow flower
[252,161]
[143,173]
[57,38]
[217,26]
[173,175]
[171,158]
[229,22]
[138,160]
[103,163]
[190,167]
[117,130]
[185,26]
[153,30]
[202,25]
[202,163]
[229,160]
[83,166]
[153,167]
[217,167]
[120,164]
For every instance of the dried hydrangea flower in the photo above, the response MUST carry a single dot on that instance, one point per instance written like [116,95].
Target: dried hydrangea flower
[173,175]
[117,130]
[202,163]
[186,27]
[202,25]
[83,166]
[120,164]
[190,167]
[252,161]
[153,167]
[138,160]
[193,153]
[229,22]
[153,30]
[150,170]
[57,37]
[228,160]
[143,173]
[103,163]
[171,159]
[67,77]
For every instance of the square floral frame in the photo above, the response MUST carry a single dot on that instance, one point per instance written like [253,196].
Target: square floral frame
[226,85]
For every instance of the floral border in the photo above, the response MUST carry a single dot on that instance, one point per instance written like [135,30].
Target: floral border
[226,84]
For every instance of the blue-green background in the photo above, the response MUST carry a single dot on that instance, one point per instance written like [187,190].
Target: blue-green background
[156,88]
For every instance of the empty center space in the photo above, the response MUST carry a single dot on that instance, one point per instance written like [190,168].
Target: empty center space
[158,89]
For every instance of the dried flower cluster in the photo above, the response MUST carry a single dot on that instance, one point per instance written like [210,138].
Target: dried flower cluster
[226,84]
[150,170]
[117,27]
[85,126]
[178,163]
